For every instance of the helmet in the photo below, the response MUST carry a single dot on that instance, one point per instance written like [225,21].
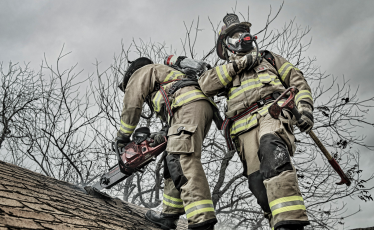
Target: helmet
[232,26]
[135,65]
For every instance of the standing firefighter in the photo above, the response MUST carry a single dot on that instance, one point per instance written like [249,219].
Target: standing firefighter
[176,98]
[251,81]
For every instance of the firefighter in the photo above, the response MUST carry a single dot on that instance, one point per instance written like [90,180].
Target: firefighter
[173,93]
[251,80]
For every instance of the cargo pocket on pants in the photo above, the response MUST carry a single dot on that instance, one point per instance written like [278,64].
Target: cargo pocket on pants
[179,139]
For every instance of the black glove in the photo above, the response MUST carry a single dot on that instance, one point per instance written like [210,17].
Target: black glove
[122,140]
[158,138]
[306,122]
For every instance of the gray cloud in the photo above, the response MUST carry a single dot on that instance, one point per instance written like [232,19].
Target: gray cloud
[342,34]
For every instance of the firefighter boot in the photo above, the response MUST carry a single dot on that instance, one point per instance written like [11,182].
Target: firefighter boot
[165,222]
[291,227]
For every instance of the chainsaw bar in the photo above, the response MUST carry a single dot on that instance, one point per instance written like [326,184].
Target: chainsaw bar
[111,178]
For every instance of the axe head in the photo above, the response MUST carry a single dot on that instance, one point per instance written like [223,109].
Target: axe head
[275,109]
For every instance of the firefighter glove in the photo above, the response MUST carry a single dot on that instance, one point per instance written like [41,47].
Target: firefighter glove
[306,122]
[244,62]
[123,140]
[158,138]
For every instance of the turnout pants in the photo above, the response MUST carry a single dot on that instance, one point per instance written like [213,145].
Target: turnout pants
[186,186]
[265,152]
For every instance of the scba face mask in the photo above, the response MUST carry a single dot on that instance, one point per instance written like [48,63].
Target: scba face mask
[242,43]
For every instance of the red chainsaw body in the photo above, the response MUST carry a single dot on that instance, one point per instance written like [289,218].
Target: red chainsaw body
[136,156]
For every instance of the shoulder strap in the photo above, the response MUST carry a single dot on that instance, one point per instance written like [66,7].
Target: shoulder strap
[268,56]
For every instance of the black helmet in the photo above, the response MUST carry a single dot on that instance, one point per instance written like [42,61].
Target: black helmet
[135,65]
[232,26]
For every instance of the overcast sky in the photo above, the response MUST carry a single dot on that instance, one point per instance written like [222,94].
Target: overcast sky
[342,31]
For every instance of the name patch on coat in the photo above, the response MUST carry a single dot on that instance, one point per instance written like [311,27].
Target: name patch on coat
[261,68]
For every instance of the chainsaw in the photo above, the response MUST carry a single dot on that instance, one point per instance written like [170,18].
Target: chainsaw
[131,158]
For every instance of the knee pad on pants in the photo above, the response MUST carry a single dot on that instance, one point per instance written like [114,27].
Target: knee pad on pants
[175,170]
[274,156]
[257,187]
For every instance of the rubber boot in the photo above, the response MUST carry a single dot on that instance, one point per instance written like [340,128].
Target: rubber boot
[205,227]
[165,222]
[290,227]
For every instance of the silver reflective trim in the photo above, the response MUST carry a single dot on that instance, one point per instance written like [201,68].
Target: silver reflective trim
[244,86]
[235,127]
[285,69]
[227,81]
[286,204]
[197,207]
[302,94]
[172,201]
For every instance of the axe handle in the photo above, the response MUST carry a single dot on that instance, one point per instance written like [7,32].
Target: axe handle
[332,161]
[320,145]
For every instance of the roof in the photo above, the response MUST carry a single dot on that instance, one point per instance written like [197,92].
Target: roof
[30,200]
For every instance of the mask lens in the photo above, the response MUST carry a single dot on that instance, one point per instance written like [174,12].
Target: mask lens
[233,42]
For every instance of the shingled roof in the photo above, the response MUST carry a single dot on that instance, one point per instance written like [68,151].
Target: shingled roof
[29,200]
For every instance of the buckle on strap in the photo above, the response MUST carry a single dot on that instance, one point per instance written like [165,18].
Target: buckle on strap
[260,103]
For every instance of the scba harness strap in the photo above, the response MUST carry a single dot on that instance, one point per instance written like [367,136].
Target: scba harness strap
[181,83]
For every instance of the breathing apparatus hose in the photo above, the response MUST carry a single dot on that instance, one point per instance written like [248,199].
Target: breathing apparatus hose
[256,55]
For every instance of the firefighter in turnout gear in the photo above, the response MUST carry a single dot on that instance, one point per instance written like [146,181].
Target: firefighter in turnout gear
[251,80]
[175,96]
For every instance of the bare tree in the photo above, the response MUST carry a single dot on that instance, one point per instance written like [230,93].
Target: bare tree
[73,119]
[20,100]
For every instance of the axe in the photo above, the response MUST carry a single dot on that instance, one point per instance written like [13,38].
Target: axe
[275,111]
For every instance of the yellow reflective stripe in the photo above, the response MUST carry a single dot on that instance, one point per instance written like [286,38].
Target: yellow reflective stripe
[172,75]
[223,75]
[199,211]
[187,97]
[285,199]
[265,76]
[286,204]
[288,208]
[285,69]
[246,85]
[172,198]
[243,124]
[198,203]
[157,101]
[303,94]
[172,205]
[277,82]
[199,207]
[126,128]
